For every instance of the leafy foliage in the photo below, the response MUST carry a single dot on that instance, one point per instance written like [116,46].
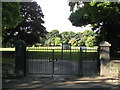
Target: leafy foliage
[51,38]
[104,17]
[10,15]
[90,41]
[66,36]
[86,38]
[57,41]
[30,29]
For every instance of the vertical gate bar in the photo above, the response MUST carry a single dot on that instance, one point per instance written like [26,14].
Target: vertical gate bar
[91,63]
[49,63]
[62,54]
[37,61]
[32,62]
[72,60]
[46,60]
[67,60]
[38,52]
[98,62]
[53,63]
[81,62]
[70,53]
[66,52]
[26,61]
[43,60]
[62,59]
[78,61]
[39,66]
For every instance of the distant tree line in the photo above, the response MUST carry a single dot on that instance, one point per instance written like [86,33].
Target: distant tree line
[54,38]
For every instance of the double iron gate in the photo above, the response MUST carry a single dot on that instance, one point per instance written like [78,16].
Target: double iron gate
[52,61]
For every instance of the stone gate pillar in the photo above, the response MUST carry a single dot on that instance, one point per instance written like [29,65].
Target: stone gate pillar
[104,57]
[20,58]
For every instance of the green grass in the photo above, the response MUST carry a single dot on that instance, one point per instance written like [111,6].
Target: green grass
[7,49]
[8,57]
[7,60]
[32,48]
[73,54]
[8,54]
[59,54]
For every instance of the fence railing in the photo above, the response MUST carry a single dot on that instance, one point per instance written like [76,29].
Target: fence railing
[75,53]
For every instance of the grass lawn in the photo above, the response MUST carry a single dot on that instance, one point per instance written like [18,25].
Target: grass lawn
[8,54]
[73,54]
[8,57]
[30,48]
[7,49]
[7,60]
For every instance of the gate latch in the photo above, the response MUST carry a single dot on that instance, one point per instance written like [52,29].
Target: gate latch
[52,60]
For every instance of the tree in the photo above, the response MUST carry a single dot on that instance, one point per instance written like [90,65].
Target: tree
[51,36]
[82,40]
[57,41]
[100,16]
[90,41]
[55,38]
[88,33]
[10,15]
[72,41]
[30,28]
[66,36]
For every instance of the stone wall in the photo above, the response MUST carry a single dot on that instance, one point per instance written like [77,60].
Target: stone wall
[104,57]
[108,67]
[115,68]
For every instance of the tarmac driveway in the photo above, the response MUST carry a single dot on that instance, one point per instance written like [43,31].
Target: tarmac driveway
[62,67]
[78,82]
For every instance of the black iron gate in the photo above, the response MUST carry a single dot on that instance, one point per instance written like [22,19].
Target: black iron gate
[55,61]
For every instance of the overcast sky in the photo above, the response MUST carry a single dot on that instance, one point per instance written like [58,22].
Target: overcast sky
[56,14]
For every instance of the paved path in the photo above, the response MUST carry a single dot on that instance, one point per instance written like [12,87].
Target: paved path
[38,82]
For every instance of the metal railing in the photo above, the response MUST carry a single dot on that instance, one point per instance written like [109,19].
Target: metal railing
[53,61]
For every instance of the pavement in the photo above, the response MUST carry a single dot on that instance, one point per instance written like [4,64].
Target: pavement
[33,82]
[61,67]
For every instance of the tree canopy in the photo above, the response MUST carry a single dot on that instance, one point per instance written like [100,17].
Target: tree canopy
[103,16]
[10,15]
[31,28]
[54,38]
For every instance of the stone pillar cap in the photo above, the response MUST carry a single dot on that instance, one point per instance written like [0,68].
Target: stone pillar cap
[19,42]
[104,43]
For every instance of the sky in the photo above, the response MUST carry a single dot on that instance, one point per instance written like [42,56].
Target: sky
[56,14]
